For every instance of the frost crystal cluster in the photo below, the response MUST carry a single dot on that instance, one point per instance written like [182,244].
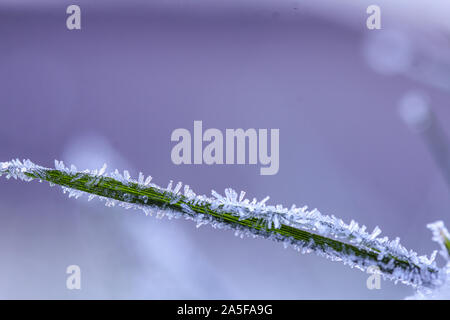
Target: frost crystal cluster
[303,229]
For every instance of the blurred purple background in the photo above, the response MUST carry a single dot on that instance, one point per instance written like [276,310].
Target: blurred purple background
[114,91]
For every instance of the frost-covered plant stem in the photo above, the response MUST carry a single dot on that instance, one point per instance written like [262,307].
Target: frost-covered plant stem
[305,230]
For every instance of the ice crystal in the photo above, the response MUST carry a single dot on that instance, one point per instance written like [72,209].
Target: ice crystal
[442,237]
[304,230]
[441,292]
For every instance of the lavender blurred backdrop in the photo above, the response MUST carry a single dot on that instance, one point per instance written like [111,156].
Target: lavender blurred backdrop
[114,91]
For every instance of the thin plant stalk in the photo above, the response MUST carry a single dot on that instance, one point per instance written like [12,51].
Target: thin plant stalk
[305,230]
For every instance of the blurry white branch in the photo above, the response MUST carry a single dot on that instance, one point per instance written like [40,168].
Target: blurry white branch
[416,112]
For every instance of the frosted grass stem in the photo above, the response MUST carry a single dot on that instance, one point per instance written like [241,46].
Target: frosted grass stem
[305,230]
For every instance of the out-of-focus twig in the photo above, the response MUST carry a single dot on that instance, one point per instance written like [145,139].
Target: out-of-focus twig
[415,111]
